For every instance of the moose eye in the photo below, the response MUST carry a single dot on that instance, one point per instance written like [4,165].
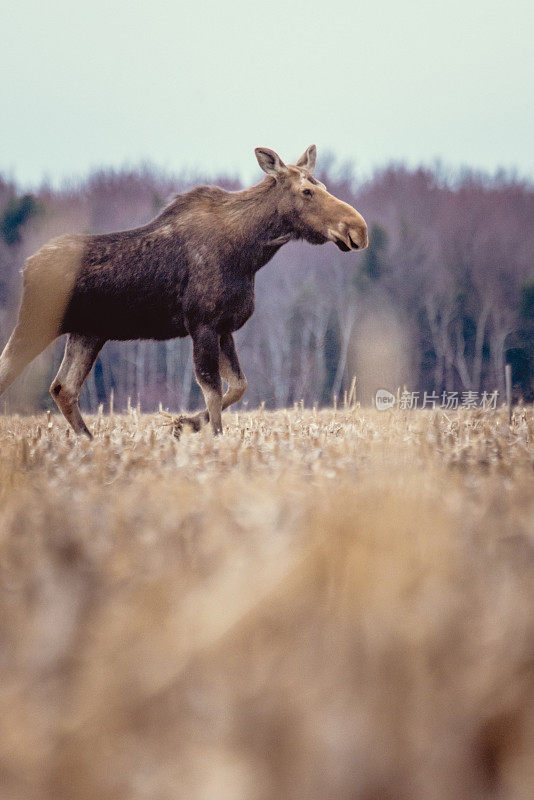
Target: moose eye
[307,192]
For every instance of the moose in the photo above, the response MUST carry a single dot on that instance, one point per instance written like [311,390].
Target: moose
[189,272]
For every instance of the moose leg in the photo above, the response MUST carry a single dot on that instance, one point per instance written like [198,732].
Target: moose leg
[206,354]
[23,346]
[231,372]
[80,355]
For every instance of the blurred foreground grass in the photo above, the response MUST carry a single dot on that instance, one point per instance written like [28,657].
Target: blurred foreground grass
[316,605]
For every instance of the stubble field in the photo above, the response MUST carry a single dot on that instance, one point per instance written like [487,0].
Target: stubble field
[320,604]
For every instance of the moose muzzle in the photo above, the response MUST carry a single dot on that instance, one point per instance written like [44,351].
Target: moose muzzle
[350,233]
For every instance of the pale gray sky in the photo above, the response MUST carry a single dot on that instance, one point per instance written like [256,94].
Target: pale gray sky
[196,85]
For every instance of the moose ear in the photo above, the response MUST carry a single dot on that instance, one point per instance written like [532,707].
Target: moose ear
[269,161]
[308,158]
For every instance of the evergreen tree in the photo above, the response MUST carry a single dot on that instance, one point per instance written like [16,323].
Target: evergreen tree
[17,212]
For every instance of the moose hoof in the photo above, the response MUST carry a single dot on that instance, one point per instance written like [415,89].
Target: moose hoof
[178,424]
[177,427]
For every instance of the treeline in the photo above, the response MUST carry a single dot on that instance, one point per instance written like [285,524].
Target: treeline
[443,298]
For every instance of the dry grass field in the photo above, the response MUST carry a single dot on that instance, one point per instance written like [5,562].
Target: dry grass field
[318,605]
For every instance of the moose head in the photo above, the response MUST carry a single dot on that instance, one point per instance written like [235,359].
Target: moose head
[309,211]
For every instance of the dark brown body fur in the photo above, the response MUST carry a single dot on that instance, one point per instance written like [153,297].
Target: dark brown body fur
[162,280]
